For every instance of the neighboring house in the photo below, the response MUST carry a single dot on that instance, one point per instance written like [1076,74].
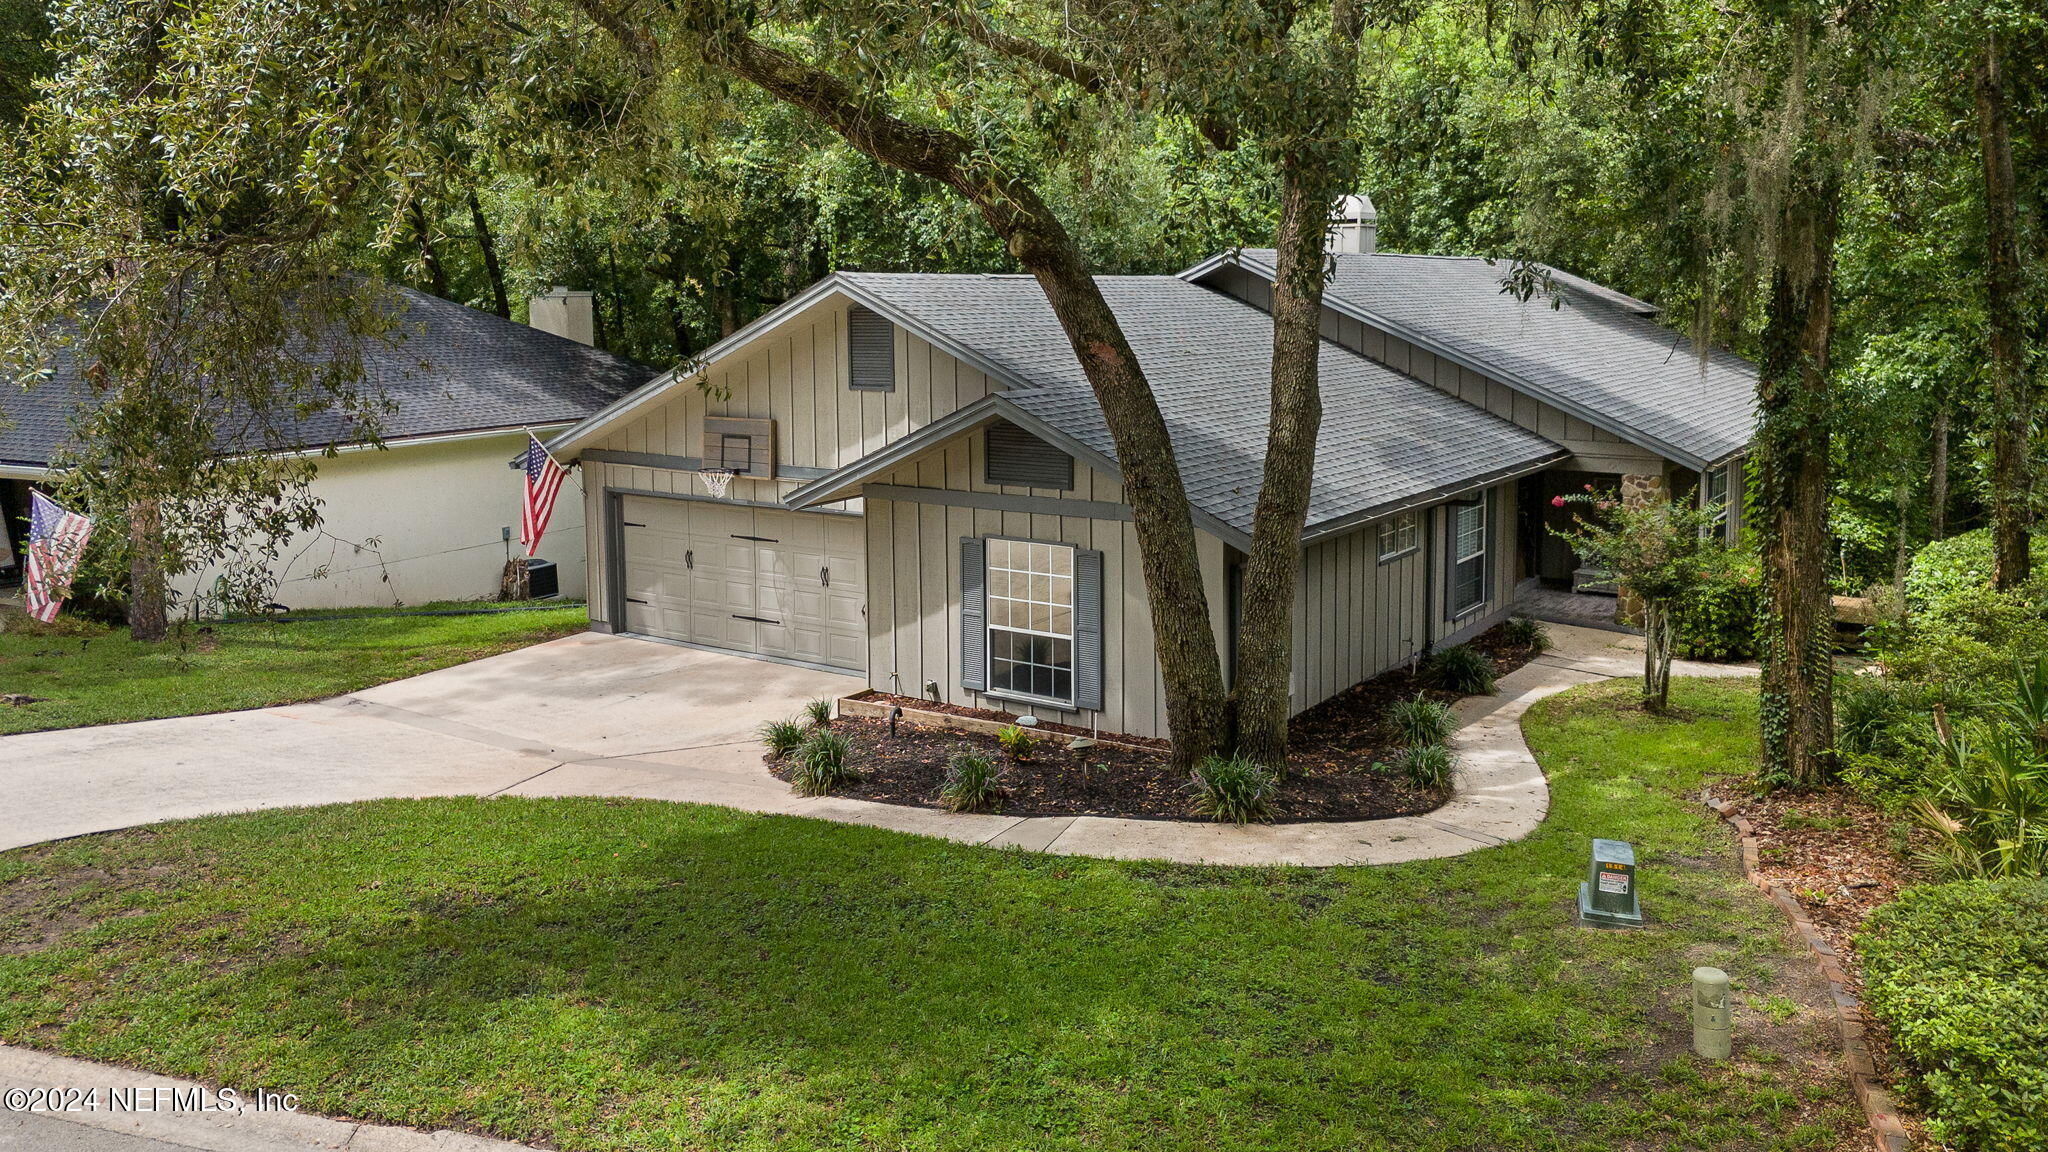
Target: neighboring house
[927,495]
[422,519]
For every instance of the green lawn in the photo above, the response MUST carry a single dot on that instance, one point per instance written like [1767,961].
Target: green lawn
[87,674]
[628,974]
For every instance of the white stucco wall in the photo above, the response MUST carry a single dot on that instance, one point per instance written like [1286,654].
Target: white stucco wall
[421,522]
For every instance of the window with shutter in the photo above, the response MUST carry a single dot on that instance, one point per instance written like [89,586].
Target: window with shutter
[870,351]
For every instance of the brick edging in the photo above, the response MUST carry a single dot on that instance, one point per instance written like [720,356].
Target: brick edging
[1887,1132]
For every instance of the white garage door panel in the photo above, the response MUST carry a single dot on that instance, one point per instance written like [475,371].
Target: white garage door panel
[757,580]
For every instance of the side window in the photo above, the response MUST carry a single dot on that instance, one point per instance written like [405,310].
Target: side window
[1397,536]
[870,351]
[1714,498]
[1017,457]
[1468,557]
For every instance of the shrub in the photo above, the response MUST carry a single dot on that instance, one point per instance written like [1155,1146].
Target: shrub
[1460,668]
[1422,721]
[819,713]
[1884,716]
[782,736]
[1962,563]
[1523,632]
[1964,643]
[1959,975]
[971,784]
[1016,743]
[1233,789]
[1429,765]
[821,764]
[1717,620]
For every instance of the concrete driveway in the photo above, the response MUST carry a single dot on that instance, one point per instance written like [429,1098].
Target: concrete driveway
[583,714]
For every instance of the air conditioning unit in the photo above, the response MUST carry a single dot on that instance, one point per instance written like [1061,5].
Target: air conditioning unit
[543,581]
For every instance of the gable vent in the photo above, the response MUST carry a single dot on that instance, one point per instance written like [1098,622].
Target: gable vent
[871,351]
[1017,457]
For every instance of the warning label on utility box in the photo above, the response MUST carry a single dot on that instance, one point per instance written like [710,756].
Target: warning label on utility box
[1614,881]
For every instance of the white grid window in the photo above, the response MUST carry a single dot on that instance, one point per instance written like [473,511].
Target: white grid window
[1468,556]
[1031,620]
[1714,499]
[1397,536]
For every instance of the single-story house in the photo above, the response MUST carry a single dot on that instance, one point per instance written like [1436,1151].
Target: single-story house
[925,492]
[425,518]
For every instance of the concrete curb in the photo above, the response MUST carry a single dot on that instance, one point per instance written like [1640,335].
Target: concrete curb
[1887,1132]
[25,1070]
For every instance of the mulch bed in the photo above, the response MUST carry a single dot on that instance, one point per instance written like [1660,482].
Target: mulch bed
[1834,852]
[1334,763]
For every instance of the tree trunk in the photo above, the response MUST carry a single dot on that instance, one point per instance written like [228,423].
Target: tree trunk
[1791,490]
[1657,626]
[148,596]
[2012,404]
[1184,644]
[423,237]
[1937,495]
[501,302]
[1260,696]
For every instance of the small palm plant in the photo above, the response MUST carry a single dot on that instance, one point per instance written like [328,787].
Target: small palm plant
[1988,808]
[1523,632]
[782,736]
[821,765]
[972,784]
[819,713]
[1233,788]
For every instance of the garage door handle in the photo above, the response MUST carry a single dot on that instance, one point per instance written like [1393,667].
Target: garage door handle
[630,524]
[825,577]
[761,539]
[755,619]
[630,600]
[689,557]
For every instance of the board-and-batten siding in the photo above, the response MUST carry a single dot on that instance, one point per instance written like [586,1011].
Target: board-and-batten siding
[1594,449]
[796,375]
[1356,618]
[914,586]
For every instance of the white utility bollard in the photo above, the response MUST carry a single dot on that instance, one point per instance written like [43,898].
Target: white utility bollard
[1713,1018]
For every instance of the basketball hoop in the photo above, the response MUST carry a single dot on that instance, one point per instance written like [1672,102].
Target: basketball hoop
[716,481]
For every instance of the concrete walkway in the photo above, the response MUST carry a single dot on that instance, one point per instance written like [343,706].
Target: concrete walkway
[137,1112]
[610,716]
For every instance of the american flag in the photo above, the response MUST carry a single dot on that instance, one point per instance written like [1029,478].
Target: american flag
[543,481]
[56,540]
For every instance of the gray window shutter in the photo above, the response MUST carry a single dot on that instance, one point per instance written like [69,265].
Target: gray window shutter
[870,351]
[973,615]
[1088,630]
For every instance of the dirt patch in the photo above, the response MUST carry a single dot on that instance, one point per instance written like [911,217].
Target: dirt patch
[41,912]
[1336,767]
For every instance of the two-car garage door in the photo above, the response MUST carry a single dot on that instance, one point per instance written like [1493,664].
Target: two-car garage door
[759,580]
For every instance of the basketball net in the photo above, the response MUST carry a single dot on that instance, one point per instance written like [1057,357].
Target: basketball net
[716,481]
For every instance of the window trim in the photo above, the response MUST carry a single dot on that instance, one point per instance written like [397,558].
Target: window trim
[1073,636]
[1721,510]
[1413,528]
[1485,552]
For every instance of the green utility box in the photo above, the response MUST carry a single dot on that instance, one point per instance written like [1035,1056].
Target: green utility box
[1607,896]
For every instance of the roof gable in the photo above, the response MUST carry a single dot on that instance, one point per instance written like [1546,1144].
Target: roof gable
[1597,354]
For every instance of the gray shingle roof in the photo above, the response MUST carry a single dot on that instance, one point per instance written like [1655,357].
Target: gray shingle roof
[455,370]
[1386,440]
[1597,356]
